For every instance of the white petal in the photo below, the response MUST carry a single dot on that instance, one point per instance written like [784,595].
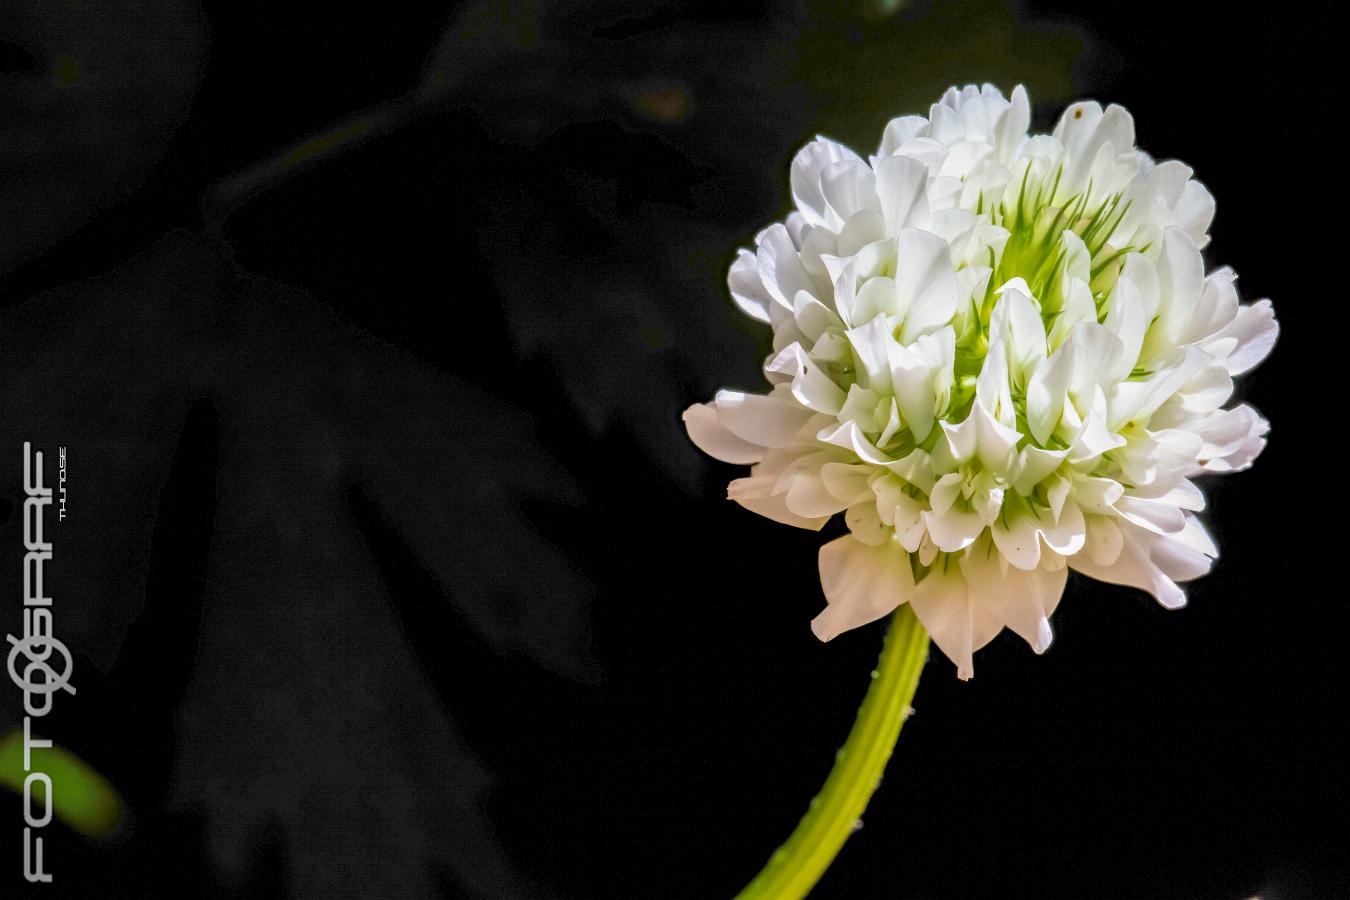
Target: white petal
[710,436]
[871,343]
[1067,534]
[1012,125]
[1181,273]
[875,297]
[956,445]
[1143,274]
[1207,390]
[813,317]
[916,467]
[1217,306]
[861,408]
[780,268]
[863,229]
[1255,330]
[1046,390]
[1171,489]
[945,492]
[956,529]
[996,443]
[954,225]
[1135,401]
[752,494]
[1021,600]
[1058,496]
[930,152]
[861,584]
[1239,454]
[1017,537]
[849,483]
[992,389]
[1094,439]
[957,626]
[865,525]
[808,166]
[1104,540]
[848,187]
[1222,431]
[910,529]
[892,426]
[808,497]
[810,385]
[1096,350]
[1180,558]
[746,287]
[767,421]
[925,283]
[901,183]
[1135,567]
[1155,515]
[850,437]
[1195,536]
[1194,211]
[1096,495]
[1034,465]
[917,374]
[1024,329]
[1126,320]
[900,132]
[928,551]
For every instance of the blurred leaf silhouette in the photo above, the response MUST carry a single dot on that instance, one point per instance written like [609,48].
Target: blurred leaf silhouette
[619,283]
[302,425]
[92,93]
[297,703]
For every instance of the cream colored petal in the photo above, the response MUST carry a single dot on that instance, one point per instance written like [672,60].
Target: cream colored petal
[1135,567]
[1104,541]
[861,584]
[811,386]
[957,625]
[954,530]
[748,493]
[770,421]
[714,439]
[1021,600]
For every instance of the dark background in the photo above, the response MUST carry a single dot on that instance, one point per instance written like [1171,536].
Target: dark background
[390,571]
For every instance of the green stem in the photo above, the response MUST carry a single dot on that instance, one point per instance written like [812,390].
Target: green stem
[797,865]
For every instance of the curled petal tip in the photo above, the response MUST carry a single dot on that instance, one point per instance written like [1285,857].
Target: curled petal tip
[820,627]
[1044,637]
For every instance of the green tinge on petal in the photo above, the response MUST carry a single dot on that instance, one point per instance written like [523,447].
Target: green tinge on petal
[81,798]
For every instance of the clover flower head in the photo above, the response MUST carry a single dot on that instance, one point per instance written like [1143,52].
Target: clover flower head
[1000,357]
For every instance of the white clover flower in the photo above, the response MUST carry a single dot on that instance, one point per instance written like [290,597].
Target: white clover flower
[999,355]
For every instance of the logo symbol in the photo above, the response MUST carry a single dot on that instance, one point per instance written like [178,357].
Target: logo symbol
[38,649]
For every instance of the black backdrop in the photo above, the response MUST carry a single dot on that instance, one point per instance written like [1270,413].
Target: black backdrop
[390,572]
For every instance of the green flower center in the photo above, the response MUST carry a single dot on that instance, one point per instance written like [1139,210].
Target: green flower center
[1053,242]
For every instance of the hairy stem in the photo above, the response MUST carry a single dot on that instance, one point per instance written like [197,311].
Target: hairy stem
[797,865]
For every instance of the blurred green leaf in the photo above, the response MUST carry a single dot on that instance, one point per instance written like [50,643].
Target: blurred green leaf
[81,797]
